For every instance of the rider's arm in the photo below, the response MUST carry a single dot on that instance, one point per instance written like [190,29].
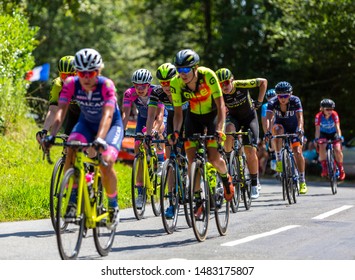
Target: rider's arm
[262,88]
[299,115]
[159,118]
[152,110]
[59,118]
[221,113]
[269,117]
[317,132]
[178,116]
[106,120]
[52,110]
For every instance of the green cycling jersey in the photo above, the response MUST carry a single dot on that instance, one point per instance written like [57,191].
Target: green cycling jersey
[201,100]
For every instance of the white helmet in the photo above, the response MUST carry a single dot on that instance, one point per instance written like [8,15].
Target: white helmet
[142,76]
[87,60]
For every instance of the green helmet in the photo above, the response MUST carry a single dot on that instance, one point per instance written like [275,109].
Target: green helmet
[166,71]
[224,74]
[66,64]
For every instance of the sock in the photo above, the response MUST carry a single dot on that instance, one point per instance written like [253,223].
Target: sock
[254,179]
[278,156]
[160,155]
[112,200]
[302,177]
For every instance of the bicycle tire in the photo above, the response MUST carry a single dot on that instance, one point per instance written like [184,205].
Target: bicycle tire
[168,199]
[138,212]
[221,207]
[186,192]
[103,236]
[287,174]
[295,180]
[246,189]
[332,171]
[156,182]
[199,224]
[68,239]
[234,171]
[56,179]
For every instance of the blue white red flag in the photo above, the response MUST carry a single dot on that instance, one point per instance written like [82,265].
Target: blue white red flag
[39,73]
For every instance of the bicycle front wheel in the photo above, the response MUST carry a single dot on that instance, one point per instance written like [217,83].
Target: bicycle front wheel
[221,207]
[332,171]
[169,198]
[156,183]
[56,179]
[199,202]
[103,236]
[69,237]
[287,175]
[139,195]
[245,177]
[234,171]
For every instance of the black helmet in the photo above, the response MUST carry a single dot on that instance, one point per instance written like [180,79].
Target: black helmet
[327,103]
[270,93]
[186,58]
[283,87]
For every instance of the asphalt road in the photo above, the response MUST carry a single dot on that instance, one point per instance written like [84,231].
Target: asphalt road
[320,226]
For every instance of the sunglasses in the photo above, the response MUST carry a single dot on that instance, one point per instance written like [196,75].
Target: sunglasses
[184,70]
[65,75]
[141,86]
[165,83]
[225,83]
[283,95]
[328,109]
[89,74]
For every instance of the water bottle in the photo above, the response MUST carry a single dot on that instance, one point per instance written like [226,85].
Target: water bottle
[89,177]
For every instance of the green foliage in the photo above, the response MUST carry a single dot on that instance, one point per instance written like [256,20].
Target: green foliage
[16,45]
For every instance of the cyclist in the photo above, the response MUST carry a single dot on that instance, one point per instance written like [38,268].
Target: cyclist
[66,69]
[327,124]
[139,94]
[164,74]
[288,113]
[99,122]
[198,85]
[242,115]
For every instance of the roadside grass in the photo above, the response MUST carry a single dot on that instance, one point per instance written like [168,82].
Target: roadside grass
[25,177]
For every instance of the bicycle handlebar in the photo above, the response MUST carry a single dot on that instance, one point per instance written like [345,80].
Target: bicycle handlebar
[46,151]
[285,136]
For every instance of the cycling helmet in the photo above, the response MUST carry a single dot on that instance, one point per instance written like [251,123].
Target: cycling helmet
[66,64]
[166,71]
[87,60]
[224,74]
[327,103]
[186,58]
[270,94]
[142,76]
[283,87]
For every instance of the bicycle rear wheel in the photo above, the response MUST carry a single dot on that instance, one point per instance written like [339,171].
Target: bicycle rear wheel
[199,202]
[68,238]
[221,207]
[246,189]
[169,198]
[56,179]
[295,181]
[103,236]
[138,209]
[332,171]
[156,183]
[234,171]
[287,175]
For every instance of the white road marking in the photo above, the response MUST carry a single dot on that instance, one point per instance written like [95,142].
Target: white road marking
[257,236]
[327,214]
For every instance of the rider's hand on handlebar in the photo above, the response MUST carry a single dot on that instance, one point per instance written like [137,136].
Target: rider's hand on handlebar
[267,135]
[220,136]
[100,143]
[173,137]
[257,104]
[40,135]
[48,141]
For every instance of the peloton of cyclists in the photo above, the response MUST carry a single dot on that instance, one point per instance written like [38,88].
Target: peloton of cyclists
[242,115]
[327,127]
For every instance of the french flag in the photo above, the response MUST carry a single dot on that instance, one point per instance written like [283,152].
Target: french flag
[39,73]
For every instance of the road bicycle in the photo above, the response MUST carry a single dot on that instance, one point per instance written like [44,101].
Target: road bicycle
[333,171]
[175,189]
[289,175]
[91,204]
[205,193]
[145,170]
[238,169]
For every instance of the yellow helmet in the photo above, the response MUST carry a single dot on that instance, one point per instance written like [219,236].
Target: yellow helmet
[66,64]
[224,74]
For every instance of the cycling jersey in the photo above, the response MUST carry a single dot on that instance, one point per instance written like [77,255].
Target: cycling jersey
[287,119]
[130,96]
[200,100]
[91,105]
[159,96]
[239,103]
[327,125]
